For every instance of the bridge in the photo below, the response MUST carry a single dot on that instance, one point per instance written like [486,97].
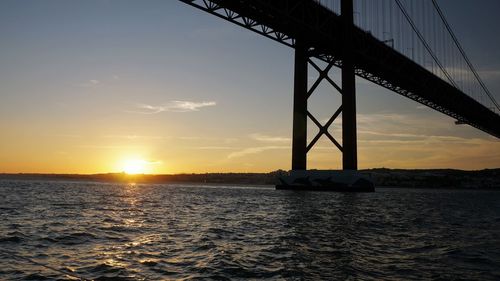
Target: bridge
[406,46]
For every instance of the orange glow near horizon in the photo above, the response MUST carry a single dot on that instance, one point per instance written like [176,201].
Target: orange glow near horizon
[190,103]
[134,166]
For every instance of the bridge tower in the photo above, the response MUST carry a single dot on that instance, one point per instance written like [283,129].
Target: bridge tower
[318,32]
[301,94]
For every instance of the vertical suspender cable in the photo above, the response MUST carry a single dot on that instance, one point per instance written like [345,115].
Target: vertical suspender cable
[469,64]
[417,32]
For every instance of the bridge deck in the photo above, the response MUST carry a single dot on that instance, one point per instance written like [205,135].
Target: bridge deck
[321,29]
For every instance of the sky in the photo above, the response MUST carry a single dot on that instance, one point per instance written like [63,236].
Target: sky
[154,86]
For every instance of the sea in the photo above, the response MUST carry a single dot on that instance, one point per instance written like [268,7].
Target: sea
[55,230]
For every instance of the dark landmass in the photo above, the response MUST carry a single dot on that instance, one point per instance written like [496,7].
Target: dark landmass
[439,178]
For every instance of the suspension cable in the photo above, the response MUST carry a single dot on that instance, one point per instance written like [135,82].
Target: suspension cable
[415,29]
[455,40]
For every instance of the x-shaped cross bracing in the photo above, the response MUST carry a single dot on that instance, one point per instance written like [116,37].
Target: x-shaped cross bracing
[323,129]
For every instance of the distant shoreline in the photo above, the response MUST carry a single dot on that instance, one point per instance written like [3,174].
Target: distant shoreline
[424,178]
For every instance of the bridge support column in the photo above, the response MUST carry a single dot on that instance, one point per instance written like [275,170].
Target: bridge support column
[301,93]
[299,139]
[349,138]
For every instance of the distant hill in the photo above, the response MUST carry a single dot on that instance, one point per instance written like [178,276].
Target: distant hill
[434,178]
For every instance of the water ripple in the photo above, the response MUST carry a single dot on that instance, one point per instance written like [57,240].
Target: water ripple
[170,232]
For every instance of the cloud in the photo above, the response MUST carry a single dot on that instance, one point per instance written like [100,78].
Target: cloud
[382,117]
[118,147]
[173,106]
[136,137]
[264,138]
[65,136]
[404,123]
[425,140]
[415,128]
[254,150]
[90,83]
[422,141]
[204,138]
[410,137]
[430,152]
[489,74]
[146,162]
[215,148]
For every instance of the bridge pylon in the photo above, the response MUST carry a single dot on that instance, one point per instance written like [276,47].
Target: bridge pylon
[301,93]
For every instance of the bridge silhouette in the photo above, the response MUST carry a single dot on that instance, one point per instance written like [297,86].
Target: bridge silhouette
[406,46]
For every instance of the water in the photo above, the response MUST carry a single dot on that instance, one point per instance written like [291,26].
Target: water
[166,232]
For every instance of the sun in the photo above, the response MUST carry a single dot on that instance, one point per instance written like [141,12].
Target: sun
[135,166]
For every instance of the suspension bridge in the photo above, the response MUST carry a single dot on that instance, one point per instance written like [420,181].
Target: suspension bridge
[406,46]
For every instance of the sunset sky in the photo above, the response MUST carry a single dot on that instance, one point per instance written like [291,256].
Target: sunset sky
[101,86]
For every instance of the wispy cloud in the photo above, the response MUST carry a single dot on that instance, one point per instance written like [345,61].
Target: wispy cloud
[144,162]
[136,137]
[422,141]
[254,150]
[215,148]
[95,82]
[173,106]
[90,83]
[204,138]
[406,136]
[264,138]
[490,74]
[65,136]
[117,147]
[430,152]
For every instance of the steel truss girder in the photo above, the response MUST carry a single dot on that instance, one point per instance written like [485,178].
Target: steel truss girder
[285,20]
[216,9]
[413,96]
